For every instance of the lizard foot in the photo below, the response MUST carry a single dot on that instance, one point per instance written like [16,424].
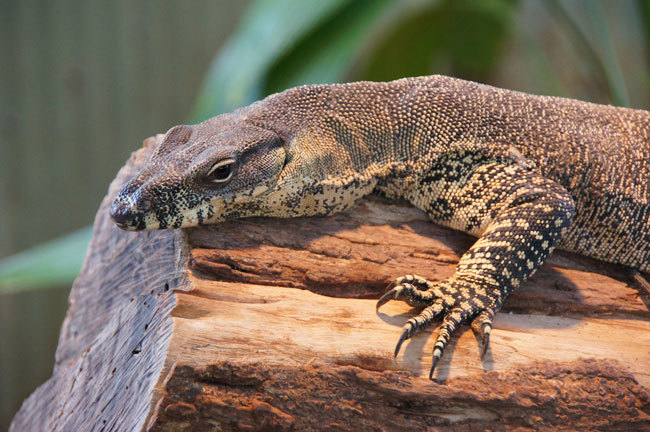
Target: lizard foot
[456,302]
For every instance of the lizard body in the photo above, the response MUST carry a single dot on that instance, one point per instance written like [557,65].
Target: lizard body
[523,173]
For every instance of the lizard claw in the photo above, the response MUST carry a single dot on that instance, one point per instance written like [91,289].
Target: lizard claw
[406,334]
[437,353]
[486,339]
[388,296]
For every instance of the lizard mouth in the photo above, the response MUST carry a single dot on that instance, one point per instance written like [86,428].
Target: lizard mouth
[122,225]
[138,224]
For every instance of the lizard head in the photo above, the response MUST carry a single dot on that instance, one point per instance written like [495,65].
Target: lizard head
[216,170]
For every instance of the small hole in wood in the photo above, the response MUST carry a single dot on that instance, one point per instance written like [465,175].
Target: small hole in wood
[113,371]
[166,287]
[146,326]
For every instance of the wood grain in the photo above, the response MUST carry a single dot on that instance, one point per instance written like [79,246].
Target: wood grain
[250,357]
[359,252]
[272,326]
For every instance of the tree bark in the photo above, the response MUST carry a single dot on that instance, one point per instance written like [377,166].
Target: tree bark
[269,324]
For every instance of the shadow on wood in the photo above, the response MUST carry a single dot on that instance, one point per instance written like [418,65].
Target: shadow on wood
[266,324]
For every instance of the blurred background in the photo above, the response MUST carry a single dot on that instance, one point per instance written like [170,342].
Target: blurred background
[83,83]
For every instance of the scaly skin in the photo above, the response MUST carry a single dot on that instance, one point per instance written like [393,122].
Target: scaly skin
[522,173]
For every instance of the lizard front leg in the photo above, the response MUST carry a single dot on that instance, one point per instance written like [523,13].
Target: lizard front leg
[519,217]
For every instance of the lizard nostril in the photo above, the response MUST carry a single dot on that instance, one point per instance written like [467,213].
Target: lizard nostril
[145,205]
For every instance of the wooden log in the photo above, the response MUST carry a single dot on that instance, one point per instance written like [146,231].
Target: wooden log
[267,324]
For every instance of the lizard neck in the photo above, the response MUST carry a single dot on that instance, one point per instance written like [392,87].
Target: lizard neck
[351,132]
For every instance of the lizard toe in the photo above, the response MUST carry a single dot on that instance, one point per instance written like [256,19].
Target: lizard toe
[419,322]
[419,282]
[482,327]
[454,319]
[411,289]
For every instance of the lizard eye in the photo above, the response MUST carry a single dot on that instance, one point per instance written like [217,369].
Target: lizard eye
[221,171]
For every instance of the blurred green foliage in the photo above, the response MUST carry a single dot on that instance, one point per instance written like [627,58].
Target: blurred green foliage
[284,43]
[423,42]
[644,8]
[48,265]
[287,43]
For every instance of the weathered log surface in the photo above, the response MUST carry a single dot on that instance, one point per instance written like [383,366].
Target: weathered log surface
[114,339]
[274,328]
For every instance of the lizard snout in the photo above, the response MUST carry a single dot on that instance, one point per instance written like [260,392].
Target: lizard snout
[133,212]
[121,214]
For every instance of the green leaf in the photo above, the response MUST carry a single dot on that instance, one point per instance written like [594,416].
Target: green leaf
[459,38]
[327,54]
[644,8]
[605,69]
[268,30]
[610,60]
[48,265]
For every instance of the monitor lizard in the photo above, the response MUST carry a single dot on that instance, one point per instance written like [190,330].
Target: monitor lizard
[523,173]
